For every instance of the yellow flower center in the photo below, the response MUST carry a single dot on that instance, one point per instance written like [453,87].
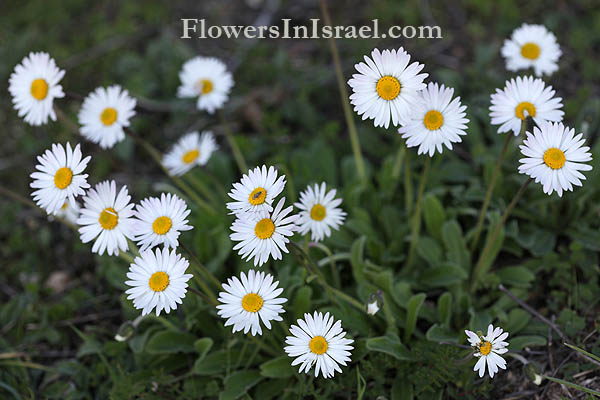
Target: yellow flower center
[108,116]
[530,50]
[522,107]
[318,345]
[162,225]
[63,177]
[252,302]
[204,86]
[485,348]
[108,218]
[554,158]
[318,212]
[433,120]
[39,89]
[190,156]
[388,87]
[264,228]
[158,281]
[257,196]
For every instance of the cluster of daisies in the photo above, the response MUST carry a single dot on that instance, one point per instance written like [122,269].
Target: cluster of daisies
[387,88]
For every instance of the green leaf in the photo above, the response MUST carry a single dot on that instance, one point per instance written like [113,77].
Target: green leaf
[517,320]
[402,389]
[216,362]
[238,383]
[202,347]
[429,250]
[391,345]
[454,241]
[445,308]
[279,367]
[519,343]
[582,351]
[515,276]
[412,312]
[437,333]
[165,342]
[444,275]
[302,301]
[434,215]
[356,258]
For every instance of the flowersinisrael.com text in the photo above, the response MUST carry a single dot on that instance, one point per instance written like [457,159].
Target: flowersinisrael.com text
[199,28]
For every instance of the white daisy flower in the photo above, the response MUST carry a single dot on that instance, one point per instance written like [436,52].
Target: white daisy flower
[191,150]
[104,113]
[208,79]
[435,121]
[158,280]
[386,86]
[532,46]
[489,349]
[318,340]
[107,217]
[262,234]
[523,97]
[59,177]
[69,212]
[256,191]
[160,221]
[319,212]
[554,156]
[250,301]
[34,85]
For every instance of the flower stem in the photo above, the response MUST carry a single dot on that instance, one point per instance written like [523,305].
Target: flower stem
[201,266]
[354,142]
[480,267]
[416,223]
[237,154]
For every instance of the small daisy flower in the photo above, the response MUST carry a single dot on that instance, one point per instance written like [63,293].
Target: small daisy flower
[435,121]
[256,191]
[34,85]
[532,46]
[107,217]
[317,340]
[489,349]
[69,212]
[158,281]
[104,113]
[523,97]
[160,221]
[59,177]
[250,301]
[386,86]
[191,150]
[554,156]
[319,212]
[263,235]
[208,79]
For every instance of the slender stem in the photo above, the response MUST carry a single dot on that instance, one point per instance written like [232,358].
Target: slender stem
[199,293]
[66,120]
[490,190]
[237,154]
[483,258]
[416,225]
[354,142]
[408,188]
[202,188]
[201,266]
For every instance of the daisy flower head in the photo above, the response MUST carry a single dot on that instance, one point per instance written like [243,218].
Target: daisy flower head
[435,121]
[59,177]
[386,86]
[488,350]
[33,85]
[69,212]
[208,79]
[256,191]
[190,150]
[104,113]
[158,280]
[319,340]
[262,234]
[554,156]
[532,46]
[161,220]
[521,98]
[319,212]
[107,217]
[249,300]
